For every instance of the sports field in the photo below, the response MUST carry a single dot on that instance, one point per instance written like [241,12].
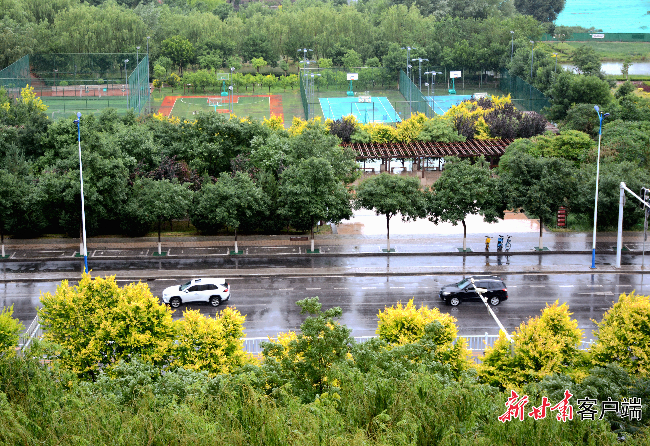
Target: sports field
[255,106]
[378,109]
[59,107]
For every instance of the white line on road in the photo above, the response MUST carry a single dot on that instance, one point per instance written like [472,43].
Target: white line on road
[397,287]
[312,288]
[565,286]
[537,286]
[598,293]
[340,288]
[369,288]
[285,289]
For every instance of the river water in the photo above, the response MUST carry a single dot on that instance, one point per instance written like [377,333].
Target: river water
[615,67]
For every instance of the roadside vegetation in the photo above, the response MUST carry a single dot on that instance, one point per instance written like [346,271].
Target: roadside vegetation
[114,368]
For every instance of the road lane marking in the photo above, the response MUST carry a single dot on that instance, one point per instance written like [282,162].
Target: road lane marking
[598,293]
[285,289]
[565,286]
[369,288]
[340,288]
[312,288]
[537,286]
[397,287]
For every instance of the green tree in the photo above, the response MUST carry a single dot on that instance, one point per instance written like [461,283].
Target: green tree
[269,81]
[569,89]
[305,362]
[310,191]
[325,63]
[623,336]
[258,62]
[351,60]
[587,61]
[10,330]
[233,201]
[542,10]
[541,346]
[537,186]
[179,50]
[465,189]
[390,195]
[154,201]
[97,323]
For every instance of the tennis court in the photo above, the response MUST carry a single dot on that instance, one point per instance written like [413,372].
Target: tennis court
[444,103]
[626,16]
[378,110]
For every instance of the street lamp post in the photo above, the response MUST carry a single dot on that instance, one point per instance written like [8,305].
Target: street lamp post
[555,55]
[126,83]
[83,213]
[601,116]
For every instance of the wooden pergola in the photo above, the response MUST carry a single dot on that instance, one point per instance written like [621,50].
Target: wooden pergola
[491,149]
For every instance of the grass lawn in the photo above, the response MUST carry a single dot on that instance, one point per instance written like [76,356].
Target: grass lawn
[59,107]
[608,51]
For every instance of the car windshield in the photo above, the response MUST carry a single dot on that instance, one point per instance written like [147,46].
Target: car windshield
[185,285]
[463,283]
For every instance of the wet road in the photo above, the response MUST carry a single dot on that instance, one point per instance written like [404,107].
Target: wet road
[269,302]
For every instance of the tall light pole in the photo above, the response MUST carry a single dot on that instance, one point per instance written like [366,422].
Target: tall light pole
[148,78]
[55,90]
[126,85]
[512,45]
[83,213]
[555,55]
[601,116]
[420,60]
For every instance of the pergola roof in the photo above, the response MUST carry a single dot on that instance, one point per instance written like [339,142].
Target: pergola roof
[418,149]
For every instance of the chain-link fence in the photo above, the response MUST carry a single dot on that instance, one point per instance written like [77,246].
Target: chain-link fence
[524,95]
[15,76]
[417,102]
[303,95]
[82,77]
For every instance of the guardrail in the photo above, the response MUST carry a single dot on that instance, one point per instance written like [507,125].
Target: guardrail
[475,343]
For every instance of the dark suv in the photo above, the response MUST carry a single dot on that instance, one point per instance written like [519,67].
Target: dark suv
[455,293]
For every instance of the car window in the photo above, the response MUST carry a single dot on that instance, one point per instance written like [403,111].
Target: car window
[485,285]
[194,288]
[463,283]
[211,286]
[185,285]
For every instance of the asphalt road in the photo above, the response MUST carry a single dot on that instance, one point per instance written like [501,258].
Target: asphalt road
[269,301]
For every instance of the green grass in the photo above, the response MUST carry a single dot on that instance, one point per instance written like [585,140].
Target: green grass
[255,107]
[608,51]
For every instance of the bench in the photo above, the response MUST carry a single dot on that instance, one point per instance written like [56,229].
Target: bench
[302,238]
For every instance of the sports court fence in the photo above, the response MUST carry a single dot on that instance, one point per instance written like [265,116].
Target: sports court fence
[82,76]
[607,37]
[303,96]
[524,96]
[417,102]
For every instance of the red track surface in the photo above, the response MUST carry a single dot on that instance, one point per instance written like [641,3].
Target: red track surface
[275,103]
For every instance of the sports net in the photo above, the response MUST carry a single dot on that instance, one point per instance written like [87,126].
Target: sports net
[15,76]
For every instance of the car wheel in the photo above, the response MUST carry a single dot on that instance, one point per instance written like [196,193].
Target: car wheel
[454,301]
[215,301]
[494,301]
[175,302]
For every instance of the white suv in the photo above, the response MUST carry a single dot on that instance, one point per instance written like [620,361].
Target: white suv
[213,291]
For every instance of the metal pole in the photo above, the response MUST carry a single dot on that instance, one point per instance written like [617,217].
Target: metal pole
[600,132]
[512,44]
[619,236]
[137,73]
[126,85]
[530,95]
[81,178]
[148,77]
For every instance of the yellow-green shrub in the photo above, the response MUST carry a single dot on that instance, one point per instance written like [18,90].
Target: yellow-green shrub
[624,335]
[541,346]
[404,324]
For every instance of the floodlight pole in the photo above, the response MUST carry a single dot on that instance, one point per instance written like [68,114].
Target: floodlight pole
[512,45]
[55,89]
[126,85]
[420,60]
[83,213]
[600,132]
[148,78]
[555,55]
[532,59]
